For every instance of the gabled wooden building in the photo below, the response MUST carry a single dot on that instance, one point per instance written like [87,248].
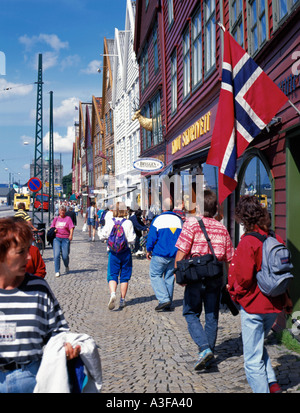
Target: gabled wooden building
[98,148]
[106,110]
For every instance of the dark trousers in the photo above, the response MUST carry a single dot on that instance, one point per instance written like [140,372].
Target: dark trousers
[196,296]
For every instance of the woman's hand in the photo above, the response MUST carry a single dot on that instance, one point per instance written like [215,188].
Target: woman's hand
[71,352]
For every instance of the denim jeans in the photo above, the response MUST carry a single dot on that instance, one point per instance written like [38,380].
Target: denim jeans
[258,368]
[21,380]
[195,296]
[61,246]
[162,278]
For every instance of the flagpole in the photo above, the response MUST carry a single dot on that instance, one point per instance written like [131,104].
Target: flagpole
[221,25]
[296,109]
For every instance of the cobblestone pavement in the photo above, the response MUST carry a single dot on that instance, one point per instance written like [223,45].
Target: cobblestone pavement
[143,351]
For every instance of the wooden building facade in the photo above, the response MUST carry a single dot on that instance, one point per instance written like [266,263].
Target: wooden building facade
[179,48]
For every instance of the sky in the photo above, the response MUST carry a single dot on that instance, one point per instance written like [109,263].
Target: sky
[69,34]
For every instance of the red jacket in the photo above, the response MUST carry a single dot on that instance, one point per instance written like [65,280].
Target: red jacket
[36,264]
[242,282]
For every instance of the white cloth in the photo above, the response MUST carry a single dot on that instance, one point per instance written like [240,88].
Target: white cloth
[52,376]
[104,232]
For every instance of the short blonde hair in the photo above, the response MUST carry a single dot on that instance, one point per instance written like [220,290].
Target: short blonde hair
[120,210]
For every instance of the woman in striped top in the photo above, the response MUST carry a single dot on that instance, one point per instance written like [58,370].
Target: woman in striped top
[29,313]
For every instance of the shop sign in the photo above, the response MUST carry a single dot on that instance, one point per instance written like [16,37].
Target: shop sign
[148,164]
[199,128]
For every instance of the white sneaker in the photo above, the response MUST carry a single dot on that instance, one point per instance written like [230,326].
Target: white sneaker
[57,274]
[93,239]
[112,302]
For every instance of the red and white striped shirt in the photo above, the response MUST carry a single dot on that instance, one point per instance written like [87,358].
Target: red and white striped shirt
[193,242]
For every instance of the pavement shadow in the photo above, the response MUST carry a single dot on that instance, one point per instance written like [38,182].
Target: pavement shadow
[84,270]
[286,364]
[229,348]
[140,300]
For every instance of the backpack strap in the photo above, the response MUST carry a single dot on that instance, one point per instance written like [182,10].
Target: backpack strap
[257,235]
[202,226]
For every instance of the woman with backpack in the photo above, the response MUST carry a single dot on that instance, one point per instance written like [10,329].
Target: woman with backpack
[119,233]
[258,311]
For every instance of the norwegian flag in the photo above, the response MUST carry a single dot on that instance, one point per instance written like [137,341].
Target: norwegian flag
[248,101]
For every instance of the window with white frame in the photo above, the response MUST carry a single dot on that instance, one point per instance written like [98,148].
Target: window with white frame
[196,49]
[210,34]
[156,116]
[174,81]
[257,24]
[112,159]
[186,63]
[135,147]
[144,69]
[130,95]
[236,20]
[170,12]
[281,9]
[147,136]
[130,152]
[155,48]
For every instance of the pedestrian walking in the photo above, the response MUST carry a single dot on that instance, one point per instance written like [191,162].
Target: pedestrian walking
[72,214]
[258,311]
[139,227]
[119,267]
[162,237]
[90,219]
[36,265]
[25,326]
[192,242]
[21,213]
[64,228]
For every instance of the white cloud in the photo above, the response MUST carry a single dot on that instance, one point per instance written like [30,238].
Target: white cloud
[51,40]
[9,89]
[61,144]
[70,61]
[50,59]
[65,113]
[92,67]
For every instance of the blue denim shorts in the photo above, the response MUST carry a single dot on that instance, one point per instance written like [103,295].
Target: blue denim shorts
[91,221]
[119,265]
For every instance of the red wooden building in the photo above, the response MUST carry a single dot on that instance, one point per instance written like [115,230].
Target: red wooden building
[179,48]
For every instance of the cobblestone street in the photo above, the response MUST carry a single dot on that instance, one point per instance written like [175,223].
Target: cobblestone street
[143,351]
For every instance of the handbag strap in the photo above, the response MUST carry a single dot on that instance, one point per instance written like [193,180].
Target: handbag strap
[202,226]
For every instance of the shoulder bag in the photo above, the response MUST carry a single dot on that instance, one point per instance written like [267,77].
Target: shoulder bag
[199,268]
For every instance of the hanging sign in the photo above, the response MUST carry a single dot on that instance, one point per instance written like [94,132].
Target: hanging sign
[34,184]
[148,164]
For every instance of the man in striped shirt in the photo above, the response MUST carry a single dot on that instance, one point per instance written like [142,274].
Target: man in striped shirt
[21,213]
[29,313]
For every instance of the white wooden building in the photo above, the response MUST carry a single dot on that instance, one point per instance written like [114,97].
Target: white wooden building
[125,100]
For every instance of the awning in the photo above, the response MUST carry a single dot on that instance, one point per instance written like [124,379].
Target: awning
[125,192]
[185,161]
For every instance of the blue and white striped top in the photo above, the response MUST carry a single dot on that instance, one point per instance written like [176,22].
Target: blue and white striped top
[29,316]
